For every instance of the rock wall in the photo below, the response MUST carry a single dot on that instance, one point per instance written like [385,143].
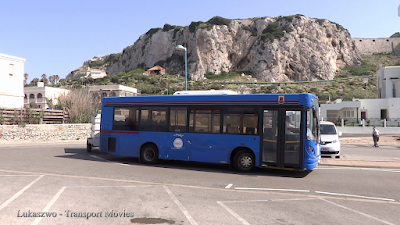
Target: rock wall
[276,49]
[290,48]
[368,46]
[44,132]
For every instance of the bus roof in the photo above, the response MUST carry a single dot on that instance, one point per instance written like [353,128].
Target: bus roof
[191,99]
[207,92]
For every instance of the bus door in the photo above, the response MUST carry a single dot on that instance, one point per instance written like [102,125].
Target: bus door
[281,145]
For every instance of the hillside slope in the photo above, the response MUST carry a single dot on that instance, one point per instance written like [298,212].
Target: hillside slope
[276,49]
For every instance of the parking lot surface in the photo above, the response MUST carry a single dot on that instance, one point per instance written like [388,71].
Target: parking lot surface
[67,185]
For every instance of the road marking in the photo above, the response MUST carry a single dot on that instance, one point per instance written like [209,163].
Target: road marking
[233,213]
[48,206]
[272,200]
[18,175]
[151,183]
[106,186]
[355,196]
[291,199]
[181,207]
[94,156]
[272,189]
[19,193]
[347,168]
[355,211]
[228,186]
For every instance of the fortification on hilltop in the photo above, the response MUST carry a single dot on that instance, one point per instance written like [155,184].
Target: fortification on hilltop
[369,46]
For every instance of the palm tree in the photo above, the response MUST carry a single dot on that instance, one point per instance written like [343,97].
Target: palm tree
[35,81]
[52,79]
[57,78]
[44,79]
[25,78]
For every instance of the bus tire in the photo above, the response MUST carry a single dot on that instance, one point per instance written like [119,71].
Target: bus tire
[244,161]
[88,147]
[149,154]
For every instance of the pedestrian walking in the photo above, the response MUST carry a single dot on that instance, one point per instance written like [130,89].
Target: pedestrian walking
[375,136]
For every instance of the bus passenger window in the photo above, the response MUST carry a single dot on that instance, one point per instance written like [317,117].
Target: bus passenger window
[126,118]
[204,119]
[177,117]
[233,130]
[153,119]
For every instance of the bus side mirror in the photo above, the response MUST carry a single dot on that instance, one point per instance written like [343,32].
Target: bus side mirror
[340,133]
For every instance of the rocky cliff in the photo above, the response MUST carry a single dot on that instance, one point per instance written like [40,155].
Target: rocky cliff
[290,48]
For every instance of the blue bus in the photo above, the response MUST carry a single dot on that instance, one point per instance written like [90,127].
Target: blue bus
[244,130]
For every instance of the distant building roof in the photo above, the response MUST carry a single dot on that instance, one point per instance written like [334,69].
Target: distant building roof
[156,68]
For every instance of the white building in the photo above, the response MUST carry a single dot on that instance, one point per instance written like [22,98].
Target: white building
[373,110]
[112,90]
[40,95]
[12,71]
[385,107]
[96,73]
[388,81]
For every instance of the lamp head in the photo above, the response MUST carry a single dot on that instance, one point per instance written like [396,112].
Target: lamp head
[180,47]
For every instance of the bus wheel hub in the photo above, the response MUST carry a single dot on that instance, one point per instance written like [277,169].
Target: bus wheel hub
[246,161]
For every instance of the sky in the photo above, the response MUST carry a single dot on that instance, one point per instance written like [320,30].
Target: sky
[57,36]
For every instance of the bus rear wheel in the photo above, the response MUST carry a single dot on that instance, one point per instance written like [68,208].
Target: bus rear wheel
[244,161]
[149,154]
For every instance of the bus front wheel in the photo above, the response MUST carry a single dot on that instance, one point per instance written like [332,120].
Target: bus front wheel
[244,161]
[149,154]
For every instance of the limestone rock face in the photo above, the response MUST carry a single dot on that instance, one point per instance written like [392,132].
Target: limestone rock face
[292,48]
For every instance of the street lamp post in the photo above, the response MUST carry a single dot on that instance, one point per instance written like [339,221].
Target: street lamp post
[181,48]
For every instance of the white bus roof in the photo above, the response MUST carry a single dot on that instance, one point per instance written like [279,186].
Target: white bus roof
[208,92]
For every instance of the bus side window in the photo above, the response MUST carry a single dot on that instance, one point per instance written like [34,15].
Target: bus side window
[233,130]
[250,130]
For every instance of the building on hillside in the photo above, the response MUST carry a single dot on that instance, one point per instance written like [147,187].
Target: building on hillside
[388,81]
[373,111]
[12,71]
[95,73]
[43,97]
[100,91]
[156,70]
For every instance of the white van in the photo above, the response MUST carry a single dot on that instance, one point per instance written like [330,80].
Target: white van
[94,139]
[330,144]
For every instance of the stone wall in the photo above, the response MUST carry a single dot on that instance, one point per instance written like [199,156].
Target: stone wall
[369,46]
[44,132]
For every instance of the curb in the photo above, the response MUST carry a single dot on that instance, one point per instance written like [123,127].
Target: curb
[361,166]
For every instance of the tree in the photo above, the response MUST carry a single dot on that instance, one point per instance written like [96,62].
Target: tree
[34,81]
[52,80]
[56,78]
[44,79]
[25,78]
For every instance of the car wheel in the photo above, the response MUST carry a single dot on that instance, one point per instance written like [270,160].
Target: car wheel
[244,161]
[149,154]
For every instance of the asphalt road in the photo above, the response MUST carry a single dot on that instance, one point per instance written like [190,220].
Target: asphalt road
[70,184]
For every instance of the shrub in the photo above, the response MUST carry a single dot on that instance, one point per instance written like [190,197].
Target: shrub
[79,104]
[194,25]
[274,31]
[217,20]
[221,76]
[152,31]
[168,27]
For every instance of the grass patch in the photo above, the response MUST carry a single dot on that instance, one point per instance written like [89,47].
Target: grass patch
[222,76]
